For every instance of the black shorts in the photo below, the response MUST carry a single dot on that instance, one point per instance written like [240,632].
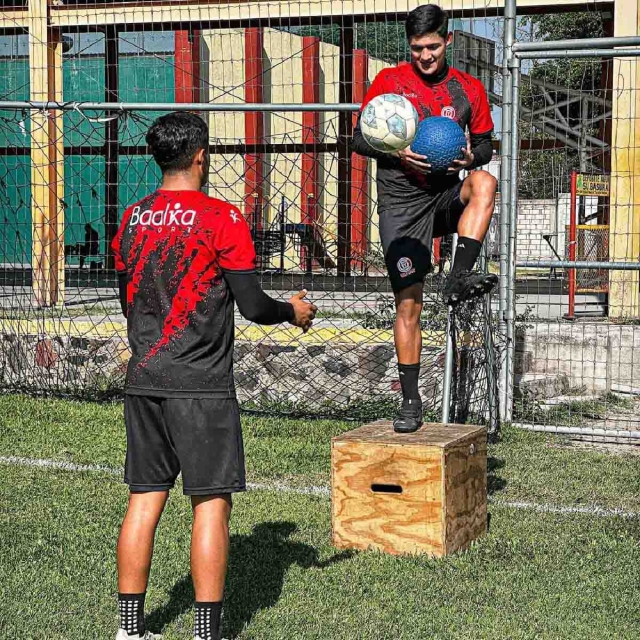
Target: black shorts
[199,436]
[407,234]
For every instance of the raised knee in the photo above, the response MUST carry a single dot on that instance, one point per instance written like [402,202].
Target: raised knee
[483,183]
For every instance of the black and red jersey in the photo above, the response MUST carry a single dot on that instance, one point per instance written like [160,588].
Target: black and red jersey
[173,247]
[457,95]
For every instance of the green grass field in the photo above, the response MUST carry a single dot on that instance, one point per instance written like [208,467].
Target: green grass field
[535,575]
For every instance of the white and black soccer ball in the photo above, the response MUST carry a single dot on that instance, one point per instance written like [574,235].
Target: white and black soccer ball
[389,122]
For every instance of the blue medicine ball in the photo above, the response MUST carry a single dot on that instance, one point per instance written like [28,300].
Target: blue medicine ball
[441,141]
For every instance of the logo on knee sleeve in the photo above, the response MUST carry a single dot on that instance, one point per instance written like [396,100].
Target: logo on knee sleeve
[405,267]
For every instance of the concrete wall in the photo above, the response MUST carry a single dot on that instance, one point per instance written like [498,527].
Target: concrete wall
[539,217]
[594,357]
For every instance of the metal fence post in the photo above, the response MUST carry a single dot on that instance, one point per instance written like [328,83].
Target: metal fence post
[513,223]
[493,395]
[505,190]
[448,356]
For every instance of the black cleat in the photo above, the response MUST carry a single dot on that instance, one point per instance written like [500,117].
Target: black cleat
[410,417]
[464,285]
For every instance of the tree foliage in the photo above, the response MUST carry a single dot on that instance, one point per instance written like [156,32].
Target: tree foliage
[382,40]
[545,173]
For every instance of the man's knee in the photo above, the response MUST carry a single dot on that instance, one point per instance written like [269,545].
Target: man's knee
[481,186]
[409,304]
[213,505]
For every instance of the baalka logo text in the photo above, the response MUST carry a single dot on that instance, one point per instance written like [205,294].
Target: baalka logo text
[169,216]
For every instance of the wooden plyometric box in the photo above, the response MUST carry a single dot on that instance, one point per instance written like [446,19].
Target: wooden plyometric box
[424,492]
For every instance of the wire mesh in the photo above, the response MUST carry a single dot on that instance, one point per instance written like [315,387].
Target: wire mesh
[311,205]
[575,349]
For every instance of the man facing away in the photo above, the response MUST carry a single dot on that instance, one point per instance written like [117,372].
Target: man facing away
[415,206]
[182,259]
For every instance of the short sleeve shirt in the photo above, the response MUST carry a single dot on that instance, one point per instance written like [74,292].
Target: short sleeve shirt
[173,247]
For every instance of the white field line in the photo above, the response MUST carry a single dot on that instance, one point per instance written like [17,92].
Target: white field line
[593,510]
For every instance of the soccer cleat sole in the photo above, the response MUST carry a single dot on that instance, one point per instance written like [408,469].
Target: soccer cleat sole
[482,288]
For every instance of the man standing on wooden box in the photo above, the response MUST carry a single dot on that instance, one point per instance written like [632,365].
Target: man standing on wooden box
[415,206]
[182,259]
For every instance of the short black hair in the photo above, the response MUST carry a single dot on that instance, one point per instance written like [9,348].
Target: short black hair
[175,138]
[425,19]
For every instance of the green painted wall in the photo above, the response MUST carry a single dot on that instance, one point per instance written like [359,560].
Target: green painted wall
[142,79]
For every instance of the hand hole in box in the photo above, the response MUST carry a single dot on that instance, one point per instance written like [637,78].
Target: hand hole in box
[386,488]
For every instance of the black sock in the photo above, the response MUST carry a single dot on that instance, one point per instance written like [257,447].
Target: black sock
[131,609]
[207,620]
[409,381]
[467,253]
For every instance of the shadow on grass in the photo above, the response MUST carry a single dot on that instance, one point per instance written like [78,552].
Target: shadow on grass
[180,601]
[258,565]
[494,482]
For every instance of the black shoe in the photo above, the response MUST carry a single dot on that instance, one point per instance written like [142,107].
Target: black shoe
[464,285]
[410,417]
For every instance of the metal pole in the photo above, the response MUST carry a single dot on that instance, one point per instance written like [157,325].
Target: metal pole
[579,264]
[578,53]
[490,356]
[572,245]
[448,356]
[345,132]
[111,146]
[582,43]
[177,106]
[513,222]
[505,189]
[582,431]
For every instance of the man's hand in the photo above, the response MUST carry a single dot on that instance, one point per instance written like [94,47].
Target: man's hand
[413,161]
[304,312]
[465,163]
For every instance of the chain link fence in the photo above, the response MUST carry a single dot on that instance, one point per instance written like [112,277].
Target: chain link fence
[280,103]
[573,170]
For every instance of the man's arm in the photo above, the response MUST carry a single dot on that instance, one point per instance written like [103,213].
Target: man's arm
[482,149]
[122,291]
[237,259]
[254,304]
[481,128]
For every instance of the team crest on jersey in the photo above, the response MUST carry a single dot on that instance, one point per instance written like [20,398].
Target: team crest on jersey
[448,112]
[405,267]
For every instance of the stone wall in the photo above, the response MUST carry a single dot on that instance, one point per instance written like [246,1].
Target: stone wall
[593,358]
[317,376]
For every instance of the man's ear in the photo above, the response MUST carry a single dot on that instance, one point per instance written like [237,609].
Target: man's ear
[201,157]
[449,38]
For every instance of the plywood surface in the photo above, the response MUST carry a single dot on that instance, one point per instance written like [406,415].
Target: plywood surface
[409,493]
[465,489]
[391,522]
[430,434]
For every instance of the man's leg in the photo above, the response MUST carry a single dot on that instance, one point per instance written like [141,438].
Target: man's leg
[209,555]
[151,468]
[477,195]
[207,437]
[134,553]
[408,341]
